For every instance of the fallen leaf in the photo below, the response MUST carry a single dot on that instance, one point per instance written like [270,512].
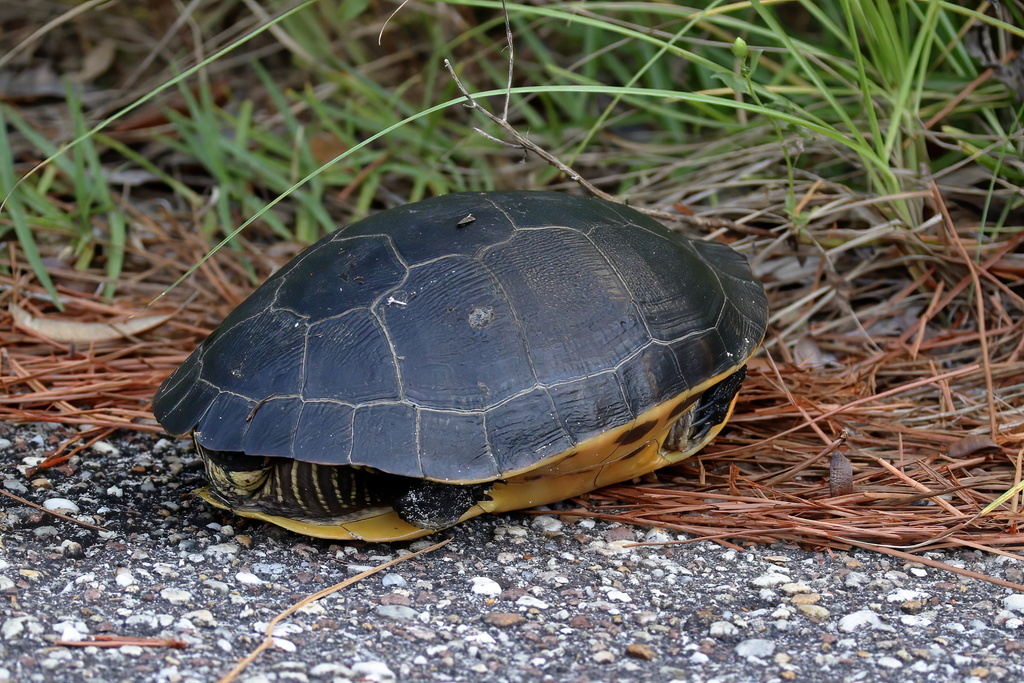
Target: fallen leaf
[70,331]
[970,445]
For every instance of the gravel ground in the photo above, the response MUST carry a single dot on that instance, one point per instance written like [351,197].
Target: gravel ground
[511,598]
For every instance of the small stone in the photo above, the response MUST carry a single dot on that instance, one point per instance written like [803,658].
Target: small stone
[62,504]
[203,617]
[175,596]
[722,629]
[106,448]
[393,579]
[530,601]
[805,599]
[755,647]
[646,618]
[1014,603]
[619,533]
[372,671]
[640,651]
[13,627]
[330,670]
[657,535]
[905,595]
[912,607]
[604,657]
[224,550]
[770,580]
[580,621]
[862,619]
[397,612]
[889,662]
[814,612]
[794,588]
[503,619]
[548,525]
[485,586]
[248,578]
[422,634]
[856,580]
[395,599]
[69,548]
[619,596]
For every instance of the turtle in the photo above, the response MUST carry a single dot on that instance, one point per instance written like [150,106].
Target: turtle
[467,353]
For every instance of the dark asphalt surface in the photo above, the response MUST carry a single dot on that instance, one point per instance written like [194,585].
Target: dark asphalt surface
[511,598]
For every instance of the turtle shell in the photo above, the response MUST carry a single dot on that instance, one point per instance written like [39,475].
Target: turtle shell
[471,338]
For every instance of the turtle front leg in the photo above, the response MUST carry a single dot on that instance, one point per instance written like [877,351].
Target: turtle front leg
[437,505]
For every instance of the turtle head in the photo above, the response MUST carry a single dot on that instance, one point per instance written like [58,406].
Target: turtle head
[234,475]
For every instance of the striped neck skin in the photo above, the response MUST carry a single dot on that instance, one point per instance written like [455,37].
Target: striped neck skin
[300,490]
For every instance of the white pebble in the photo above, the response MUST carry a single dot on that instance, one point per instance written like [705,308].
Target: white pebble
[905,595]
[123,577]
[228,549]
[249,578]
[62,504]
[175,596]
[15,626]
[203,617]
[889,662]
[372,671]
[485,586]
[770,580]
[721,629]
[619,596]
[862,619]
[70,630]
[546,524]
[1014,602]
[393,579]
[755,647]
[285,644]
[106,448]
[331,670]
[530,601]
